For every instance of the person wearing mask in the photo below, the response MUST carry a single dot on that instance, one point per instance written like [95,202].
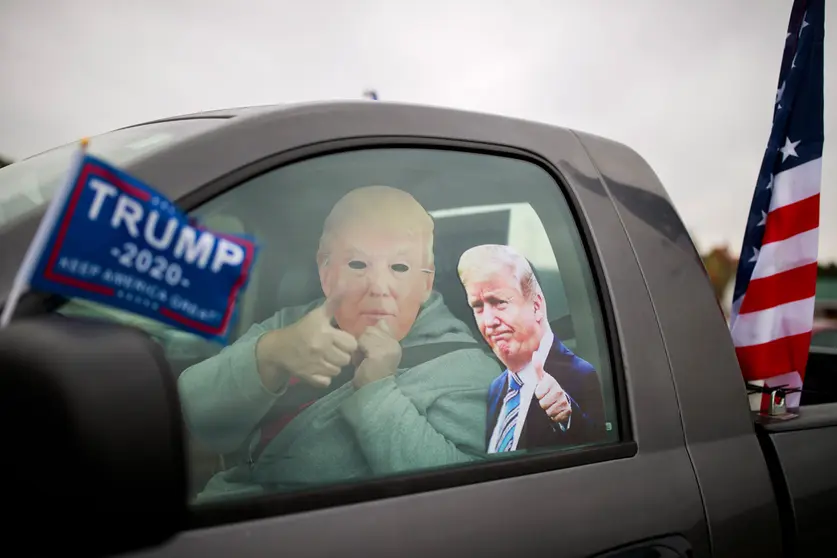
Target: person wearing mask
[375,378]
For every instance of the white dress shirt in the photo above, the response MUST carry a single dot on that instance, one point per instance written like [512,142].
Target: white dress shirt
[529,377]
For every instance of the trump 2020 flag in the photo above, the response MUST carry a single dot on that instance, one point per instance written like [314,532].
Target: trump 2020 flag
[111,239]
[773,302]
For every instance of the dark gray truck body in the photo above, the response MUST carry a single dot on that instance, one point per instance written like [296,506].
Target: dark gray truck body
[692,470]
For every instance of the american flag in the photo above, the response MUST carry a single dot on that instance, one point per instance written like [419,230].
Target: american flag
[773,301]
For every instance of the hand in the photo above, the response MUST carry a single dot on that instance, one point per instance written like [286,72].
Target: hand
[380,354]
[312,349]
[552,398]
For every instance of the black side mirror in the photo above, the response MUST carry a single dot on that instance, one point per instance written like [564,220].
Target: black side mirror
[93,458]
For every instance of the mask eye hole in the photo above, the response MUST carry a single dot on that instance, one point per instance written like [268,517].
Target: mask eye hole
[400,268]
[357,264]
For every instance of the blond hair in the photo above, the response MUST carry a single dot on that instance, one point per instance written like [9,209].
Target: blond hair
[489,257]
[378,204]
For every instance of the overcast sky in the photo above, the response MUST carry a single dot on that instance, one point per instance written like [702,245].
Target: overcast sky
[688,84]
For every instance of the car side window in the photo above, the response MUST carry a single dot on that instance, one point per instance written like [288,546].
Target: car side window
[412,309]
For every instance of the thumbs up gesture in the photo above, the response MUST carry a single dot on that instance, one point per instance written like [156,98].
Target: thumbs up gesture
[312,349]
[551,397]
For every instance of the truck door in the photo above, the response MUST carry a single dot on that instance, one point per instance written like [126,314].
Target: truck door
[414,464]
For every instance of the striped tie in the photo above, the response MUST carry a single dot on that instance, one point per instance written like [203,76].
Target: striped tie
[511,409]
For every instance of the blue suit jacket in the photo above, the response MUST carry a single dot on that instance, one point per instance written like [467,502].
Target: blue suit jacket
[580,381]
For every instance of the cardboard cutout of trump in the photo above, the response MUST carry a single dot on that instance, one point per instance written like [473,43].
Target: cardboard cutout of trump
[547,396]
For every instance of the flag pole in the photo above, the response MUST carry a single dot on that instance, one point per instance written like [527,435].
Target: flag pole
[30,260]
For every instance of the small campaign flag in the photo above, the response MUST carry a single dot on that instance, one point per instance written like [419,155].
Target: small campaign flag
[773,302]
[109,238]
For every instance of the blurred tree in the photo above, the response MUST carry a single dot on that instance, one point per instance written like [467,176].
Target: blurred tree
[721,267]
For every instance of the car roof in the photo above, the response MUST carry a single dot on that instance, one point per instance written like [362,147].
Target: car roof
[231,112]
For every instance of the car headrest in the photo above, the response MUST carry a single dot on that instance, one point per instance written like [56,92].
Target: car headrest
[224,223]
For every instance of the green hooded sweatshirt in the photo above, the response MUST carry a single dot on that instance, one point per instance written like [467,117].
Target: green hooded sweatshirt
[431,415]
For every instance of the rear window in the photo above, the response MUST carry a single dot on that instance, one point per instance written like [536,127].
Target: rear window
[31,183]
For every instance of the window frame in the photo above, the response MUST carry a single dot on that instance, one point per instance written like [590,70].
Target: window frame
[278,504]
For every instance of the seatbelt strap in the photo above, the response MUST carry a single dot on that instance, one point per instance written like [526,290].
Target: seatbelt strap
[303,393]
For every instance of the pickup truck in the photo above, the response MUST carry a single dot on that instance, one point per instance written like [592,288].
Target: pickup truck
[102,457]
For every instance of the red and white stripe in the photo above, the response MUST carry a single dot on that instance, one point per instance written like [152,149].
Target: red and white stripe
[771,329]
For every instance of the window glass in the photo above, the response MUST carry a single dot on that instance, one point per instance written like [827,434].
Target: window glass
[411,309]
